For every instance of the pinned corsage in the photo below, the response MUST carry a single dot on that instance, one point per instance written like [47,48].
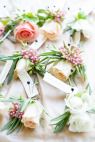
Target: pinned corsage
[22,113]
[77,114]
[80,28]
[66,63]
[24,28]
[52,30]
[20,65]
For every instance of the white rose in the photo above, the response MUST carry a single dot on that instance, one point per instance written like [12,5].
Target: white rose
[52,30]
[32,115]
[80,123]
[75,104]
[84,26]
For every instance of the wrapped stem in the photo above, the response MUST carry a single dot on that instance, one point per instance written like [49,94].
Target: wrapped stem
[26,80]
[77,38]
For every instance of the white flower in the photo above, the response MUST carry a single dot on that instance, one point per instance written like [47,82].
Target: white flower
[32,115]
[76,104]
[80,123]
[84,26]
[52,30]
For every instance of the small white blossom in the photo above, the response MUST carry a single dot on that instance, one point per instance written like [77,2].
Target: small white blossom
[80,123]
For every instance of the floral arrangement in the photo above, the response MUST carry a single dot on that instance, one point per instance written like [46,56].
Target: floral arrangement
[79,28]
[71,56]
[64,64]
[19,113]
[77,114]
[38,63]
[25,28]
[28,59]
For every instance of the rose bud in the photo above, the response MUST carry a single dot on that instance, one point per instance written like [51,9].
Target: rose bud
[32,115]
[52,30]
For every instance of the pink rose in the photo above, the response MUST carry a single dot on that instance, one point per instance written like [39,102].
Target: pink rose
[26,32]
[1,29]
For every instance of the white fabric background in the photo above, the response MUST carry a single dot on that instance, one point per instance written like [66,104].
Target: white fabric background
[11,7]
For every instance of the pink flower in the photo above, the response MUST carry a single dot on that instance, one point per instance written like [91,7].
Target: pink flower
[30,54]
[59,16]
[26,32]
[15,111]
[72,55]
[1,29]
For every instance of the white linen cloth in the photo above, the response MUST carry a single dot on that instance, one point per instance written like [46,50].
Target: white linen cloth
[51,97]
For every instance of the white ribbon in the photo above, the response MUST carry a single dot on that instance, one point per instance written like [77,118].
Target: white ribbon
[39,42]
[77,38]
[5,71]
[50,79]
[26,80]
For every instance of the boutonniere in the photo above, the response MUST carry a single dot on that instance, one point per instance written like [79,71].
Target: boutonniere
[80,28]
[19,114]
[21,65]
[25,28]
[50,31]
[77,114]
[65,63]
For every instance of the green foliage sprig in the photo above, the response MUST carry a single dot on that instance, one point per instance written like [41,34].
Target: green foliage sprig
[39,18]
[14,123]
[60,122]
[54,56]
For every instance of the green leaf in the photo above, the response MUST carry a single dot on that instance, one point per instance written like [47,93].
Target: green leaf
[12,23]
[7,125]
[42,14]
[20,127]
[13,57]
[5,21]
[60,122]
[88,87]
[14,126]
[40,23]
[52,52]
[5,36]
[30,17]
[91,111]
[40,69]
[82,71]
[52,56]
[11,72]
[81,15]
[79,69]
